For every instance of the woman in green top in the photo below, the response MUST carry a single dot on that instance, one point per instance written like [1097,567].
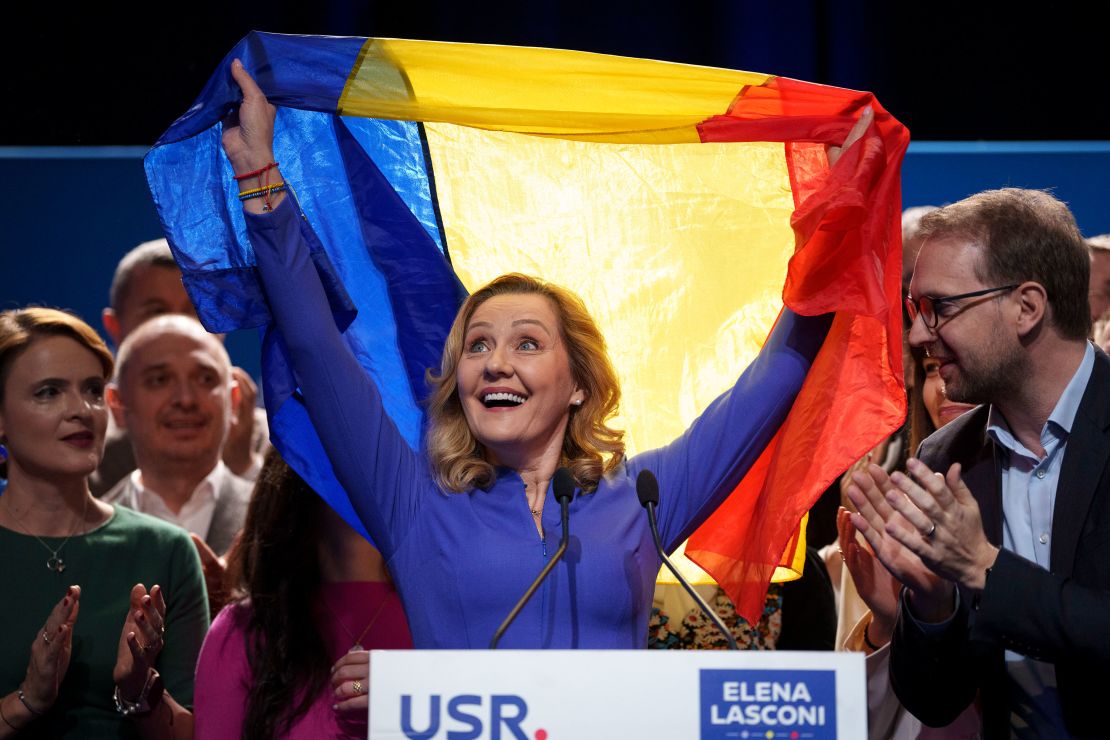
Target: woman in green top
[72,568]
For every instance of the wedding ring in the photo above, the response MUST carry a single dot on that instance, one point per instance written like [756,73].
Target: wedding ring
[932,530]
[45,638]
[357,686]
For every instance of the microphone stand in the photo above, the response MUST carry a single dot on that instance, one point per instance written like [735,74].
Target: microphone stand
[648,491]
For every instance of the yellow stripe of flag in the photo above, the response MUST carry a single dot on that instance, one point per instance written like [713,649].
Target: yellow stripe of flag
[542,91]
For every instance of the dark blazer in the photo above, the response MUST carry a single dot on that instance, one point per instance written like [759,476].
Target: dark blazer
[227,518]
[1062,616]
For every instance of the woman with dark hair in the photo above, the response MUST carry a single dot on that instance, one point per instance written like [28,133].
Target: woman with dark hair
[309,593]
[525,387]
[62,648]
[930,407]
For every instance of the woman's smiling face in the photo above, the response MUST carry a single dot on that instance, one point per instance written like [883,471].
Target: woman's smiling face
[514,379]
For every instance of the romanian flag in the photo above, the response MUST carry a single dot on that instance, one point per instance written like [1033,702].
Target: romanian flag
[686,205]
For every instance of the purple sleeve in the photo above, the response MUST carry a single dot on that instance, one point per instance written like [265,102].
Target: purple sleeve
[223,678]
[701,468]
[381,474]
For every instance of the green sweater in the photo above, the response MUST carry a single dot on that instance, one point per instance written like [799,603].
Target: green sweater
[106,563]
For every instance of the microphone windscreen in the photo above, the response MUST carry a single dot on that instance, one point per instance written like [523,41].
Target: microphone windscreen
[647,488]
[564,485]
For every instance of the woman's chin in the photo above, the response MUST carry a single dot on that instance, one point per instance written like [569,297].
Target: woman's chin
[951,412]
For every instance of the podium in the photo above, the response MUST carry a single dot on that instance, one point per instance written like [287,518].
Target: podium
[612,694]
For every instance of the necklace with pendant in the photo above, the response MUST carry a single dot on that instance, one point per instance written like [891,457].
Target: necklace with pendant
[55,561]
[536,512]
[356,642]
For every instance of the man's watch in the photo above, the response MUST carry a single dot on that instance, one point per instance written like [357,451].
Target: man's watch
[149,697]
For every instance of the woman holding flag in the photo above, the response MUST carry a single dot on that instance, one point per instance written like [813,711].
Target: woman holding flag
[524,387]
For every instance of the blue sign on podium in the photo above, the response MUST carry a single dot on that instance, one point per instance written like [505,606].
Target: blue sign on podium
[583,694]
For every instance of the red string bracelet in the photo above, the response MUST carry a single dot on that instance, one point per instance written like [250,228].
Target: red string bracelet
[256,173]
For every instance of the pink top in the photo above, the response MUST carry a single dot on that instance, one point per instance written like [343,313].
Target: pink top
[224,674]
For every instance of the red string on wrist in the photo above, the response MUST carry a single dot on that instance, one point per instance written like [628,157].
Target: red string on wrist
[256,173]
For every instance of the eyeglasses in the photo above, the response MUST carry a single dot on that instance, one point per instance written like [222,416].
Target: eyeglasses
[930,309]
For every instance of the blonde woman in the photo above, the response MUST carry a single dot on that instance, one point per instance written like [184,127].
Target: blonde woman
[524,387]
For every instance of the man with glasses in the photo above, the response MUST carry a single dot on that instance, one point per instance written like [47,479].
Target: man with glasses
[1005,549]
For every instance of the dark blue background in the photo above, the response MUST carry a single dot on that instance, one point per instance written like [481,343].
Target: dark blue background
[120,72]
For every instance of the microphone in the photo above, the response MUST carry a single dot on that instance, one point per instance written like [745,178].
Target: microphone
[647,490]
[563,485]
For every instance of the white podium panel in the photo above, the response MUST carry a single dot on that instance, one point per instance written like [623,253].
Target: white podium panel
[642,694]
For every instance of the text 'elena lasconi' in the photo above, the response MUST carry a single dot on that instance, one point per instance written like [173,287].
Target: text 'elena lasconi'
[766,703]
[801,702]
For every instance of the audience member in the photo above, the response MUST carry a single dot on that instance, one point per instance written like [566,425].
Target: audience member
[931,408]
[175,398]
[911,239]
[1099,294]
[1099,290]
[147,283]
[59,654]
[1001,551]
[312,595]
[876,591]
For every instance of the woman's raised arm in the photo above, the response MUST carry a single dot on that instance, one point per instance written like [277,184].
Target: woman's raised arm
[371,459]
[700,468]
[248,141]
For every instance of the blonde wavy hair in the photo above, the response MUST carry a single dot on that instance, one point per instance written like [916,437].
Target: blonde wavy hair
[591,448]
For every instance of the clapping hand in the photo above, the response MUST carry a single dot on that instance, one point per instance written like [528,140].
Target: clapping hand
[239,454]
[141,640]
[879,523]
[874,584]
[50,653]
[945,527]
[215,571]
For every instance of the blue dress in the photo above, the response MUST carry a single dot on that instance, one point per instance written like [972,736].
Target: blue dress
[461,560]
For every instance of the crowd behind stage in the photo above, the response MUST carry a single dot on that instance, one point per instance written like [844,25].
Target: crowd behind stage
[203,589]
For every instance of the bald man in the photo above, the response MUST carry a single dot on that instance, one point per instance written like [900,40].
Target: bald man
[175,396]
